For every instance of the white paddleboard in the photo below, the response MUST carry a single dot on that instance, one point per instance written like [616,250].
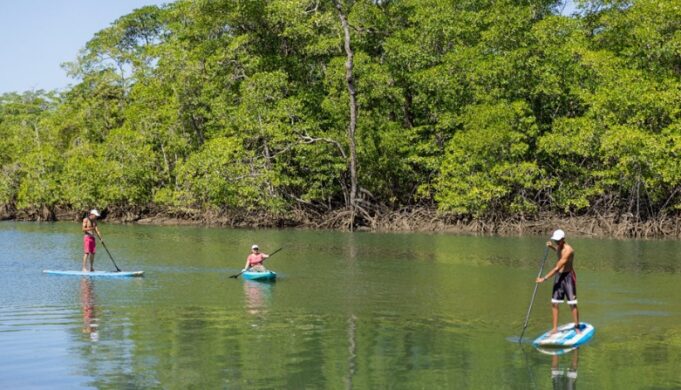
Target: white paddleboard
[566,336]
[94,274]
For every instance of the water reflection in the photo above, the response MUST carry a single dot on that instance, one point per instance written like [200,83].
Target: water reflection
[563,376]
[352,351]
[258,296]
[87,299]
[360,311]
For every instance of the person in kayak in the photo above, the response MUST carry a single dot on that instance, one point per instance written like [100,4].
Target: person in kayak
[89,230]
[255,260]
[565,281]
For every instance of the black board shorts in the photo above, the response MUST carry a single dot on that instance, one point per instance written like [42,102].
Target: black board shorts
[565,288]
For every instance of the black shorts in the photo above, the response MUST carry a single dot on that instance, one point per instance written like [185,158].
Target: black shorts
[565,287]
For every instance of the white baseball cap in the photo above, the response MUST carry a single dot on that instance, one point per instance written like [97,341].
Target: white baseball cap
[558,235]
[95,212]
[254,246]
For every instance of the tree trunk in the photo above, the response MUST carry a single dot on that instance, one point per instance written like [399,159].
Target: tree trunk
[353,111]
[268,156]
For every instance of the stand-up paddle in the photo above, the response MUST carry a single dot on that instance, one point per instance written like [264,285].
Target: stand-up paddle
[99,274]
[107,251]
[242,271]
[91,231]
[527,317]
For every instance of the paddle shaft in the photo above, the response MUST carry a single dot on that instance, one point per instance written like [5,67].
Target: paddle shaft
[534,293]
[107,251]
[271,254]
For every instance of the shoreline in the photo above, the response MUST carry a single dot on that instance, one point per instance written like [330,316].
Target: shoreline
[421,220]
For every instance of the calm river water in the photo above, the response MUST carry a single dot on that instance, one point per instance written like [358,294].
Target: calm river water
[362,310]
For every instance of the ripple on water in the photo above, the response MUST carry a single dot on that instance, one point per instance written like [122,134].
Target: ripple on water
[34,339]
[19,318]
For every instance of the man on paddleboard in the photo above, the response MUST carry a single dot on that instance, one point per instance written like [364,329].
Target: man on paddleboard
[565,281]
[255,260]
[89,230]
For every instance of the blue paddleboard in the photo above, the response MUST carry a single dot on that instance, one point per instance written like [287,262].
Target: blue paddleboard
[95,274]
[566,336]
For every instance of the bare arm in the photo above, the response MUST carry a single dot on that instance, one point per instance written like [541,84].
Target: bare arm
[564,258]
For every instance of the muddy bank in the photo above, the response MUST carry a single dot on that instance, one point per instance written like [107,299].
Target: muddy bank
[406,220]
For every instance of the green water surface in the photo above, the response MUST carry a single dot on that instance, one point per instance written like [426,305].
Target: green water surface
[349,310]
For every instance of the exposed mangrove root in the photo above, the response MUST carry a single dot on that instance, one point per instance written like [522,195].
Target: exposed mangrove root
[374,218]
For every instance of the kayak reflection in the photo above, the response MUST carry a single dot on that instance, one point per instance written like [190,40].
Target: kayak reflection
[258,296]
[87,299]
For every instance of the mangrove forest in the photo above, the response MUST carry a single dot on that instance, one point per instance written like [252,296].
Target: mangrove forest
[359,114]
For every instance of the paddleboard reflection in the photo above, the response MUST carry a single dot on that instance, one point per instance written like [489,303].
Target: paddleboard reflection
[563,376]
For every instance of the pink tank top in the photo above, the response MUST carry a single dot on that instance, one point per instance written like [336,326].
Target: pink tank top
[254,259]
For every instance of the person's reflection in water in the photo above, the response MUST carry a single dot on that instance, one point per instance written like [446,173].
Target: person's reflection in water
[257,296]
[564,378]
[87,299]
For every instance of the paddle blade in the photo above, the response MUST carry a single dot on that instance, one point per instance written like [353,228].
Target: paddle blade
[273,253]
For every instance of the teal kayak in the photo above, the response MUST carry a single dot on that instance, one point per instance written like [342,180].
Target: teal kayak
[267,275]
[95,274]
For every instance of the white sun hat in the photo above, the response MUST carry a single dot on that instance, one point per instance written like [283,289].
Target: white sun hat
[95,212]
[254,246]
[558,235]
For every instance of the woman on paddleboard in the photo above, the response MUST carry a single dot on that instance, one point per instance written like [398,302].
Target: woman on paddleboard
[255,260]
[89,230]
[565,281]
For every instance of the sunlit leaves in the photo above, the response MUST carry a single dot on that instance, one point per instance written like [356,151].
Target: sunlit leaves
[488,166]
[120,172]
[478,107]
[224,173]
[39,177]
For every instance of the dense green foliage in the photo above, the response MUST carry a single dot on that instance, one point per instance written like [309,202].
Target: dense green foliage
[480,107]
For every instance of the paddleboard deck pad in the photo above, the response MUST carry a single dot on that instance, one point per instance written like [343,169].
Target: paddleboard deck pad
[267,275]
[566,336]
[95,274]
